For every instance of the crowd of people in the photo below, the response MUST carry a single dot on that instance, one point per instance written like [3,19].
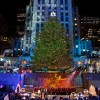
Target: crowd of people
[55,93]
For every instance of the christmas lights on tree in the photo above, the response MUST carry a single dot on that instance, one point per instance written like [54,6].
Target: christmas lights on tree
[52,46]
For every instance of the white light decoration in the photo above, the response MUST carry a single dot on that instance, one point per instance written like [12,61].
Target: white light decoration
[1,59]
[53,14]
[75,19]
[83,49]
[75,24]
[76,46]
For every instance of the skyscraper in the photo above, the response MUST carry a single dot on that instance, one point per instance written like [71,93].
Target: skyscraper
[20,26]
[5,39]
[38,12]
[20,21]
[90,30]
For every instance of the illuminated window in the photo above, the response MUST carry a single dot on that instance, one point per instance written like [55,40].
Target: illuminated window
[83,49]
[76,46]
[75,24]
[75,19]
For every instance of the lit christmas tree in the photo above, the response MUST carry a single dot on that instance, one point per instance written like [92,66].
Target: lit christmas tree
[52,47]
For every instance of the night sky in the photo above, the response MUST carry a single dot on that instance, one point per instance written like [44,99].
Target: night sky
[8,9]
[88,7]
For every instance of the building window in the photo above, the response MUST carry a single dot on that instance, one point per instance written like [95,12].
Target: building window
[66,25]
[55,8]
[43,13]
[55,1]
[49,7]
[38,8]
[26,41]
[38,13]
[42,25]
[43,7]
[61,2]
[66,13]
[66,7]
[76,46]
[38,19]
[49,13]
[49,1]
[66,2]
[66,19]
[38,1]
[37,27]
[42,19]
[61,8]
[61,13]
[62,16]
[43,1]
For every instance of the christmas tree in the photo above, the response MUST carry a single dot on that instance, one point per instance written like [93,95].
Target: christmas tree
[52,47]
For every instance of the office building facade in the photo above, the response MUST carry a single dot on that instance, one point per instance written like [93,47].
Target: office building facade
[5,38]
[20,22]
[38,12]
[90,30]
